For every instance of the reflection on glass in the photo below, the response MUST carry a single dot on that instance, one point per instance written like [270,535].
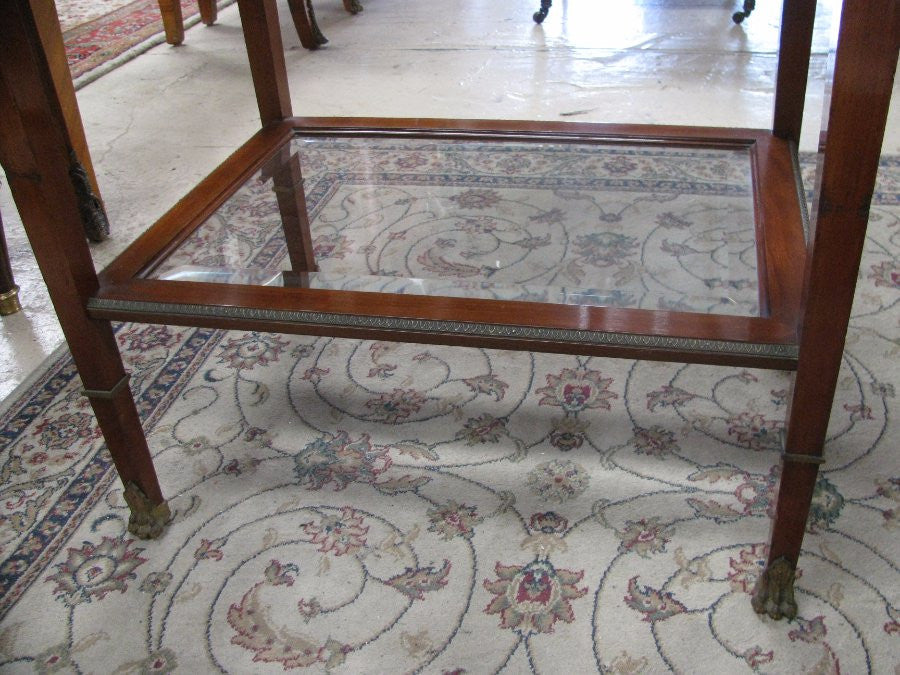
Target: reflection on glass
[573,223]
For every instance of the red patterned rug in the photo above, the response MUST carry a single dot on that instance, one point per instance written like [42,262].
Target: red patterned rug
[102,43]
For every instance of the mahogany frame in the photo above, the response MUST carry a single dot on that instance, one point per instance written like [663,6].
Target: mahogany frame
[767,341]
[806,310]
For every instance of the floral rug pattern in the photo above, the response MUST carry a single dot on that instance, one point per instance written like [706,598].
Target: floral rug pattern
[619,225]
[98,33]
[371,507]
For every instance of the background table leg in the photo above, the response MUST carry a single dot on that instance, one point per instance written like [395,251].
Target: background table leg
[9,292]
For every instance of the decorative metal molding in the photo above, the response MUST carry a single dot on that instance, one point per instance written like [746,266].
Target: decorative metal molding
[802,459]
[797,457]
[801,190]
[109,394]
[787,352]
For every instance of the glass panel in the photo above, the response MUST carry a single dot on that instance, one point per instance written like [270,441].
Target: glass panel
[576,223]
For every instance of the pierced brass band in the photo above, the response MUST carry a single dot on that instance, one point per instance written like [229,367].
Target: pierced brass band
[802,459]
[799,458]
[107,394]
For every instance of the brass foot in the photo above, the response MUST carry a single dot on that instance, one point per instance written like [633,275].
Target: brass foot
[147,520]
[9,302]
[774,591]
[353,6]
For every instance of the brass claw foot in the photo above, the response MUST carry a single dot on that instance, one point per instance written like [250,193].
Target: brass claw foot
[147,520]
[774,591]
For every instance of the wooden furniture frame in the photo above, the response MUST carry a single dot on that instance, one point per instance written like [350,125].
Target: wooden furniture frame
[808,286]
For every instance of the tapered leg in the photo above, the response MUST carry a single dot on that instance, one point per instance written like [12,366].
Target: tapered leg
[861,95]
[287,183]
[797,24]
[209,11]
[36,153]
[774,591]
[173,21]
[262,36]
[96,225]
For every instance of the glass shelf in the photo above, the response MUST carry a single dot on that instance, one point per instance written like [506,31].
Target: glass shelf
[566,223]
[605,238]
[518,250]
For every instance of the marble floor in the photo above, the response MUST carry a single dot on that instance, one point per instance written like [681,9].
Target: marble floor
[162,121]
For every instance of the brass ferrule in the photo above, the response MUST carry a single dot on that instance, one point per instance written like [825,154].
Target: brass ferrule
[9,302]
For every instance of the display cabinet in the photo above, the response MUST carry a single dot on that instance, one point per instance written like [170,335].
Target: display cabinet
[774,288]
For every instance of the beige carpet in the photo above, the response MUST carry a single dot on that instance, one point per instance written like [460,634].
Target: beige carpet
[370,507]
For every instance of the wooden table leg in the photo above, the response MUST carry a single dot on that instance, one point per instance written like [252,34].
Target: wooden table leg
[856,122]
[173,21]
[36,153]
[209,11]
[287,183]
[96,225]
[173,18]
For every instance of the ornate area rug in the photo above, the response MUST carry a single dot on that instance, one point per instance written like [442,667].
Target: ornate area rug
[102,34]
[372,507]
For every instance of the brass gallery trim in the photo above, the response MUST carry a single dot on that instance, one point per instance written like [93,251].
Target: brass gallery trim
[107,394]
[572,336]
[802,459]
[801,190]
